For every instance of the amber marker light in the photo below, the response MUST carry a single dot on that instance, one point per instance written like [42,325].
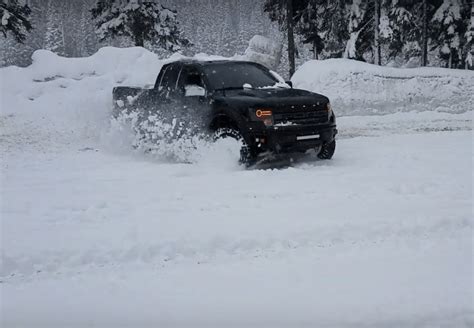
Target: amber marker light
[263,113]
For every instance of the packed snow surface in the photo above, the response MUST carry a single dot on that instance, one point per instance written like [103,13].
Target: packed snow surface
[97,234]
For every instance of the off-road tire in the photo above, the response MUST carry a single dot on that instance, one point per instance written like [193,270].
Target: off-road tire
[327,150]
[246,157]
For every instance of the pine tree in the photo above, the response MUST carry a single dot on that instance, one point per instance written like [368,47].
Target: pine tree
[406,26]
[15,53]
[310,26]
[448,23]
[377,11]
[424,33]
[36,37]
[87,38]
[55,38]
[334,27]
[15,19]
[287,13]
[358,27]
[322,24]
[140,20]
[469,36]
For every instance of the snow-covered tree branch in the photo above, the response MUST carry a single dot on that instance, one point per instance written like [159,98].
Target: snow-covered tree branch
[140,20]
[15,19]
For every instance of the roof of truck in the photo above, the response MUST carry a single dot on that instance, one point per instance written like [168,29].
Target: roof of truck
[211,61]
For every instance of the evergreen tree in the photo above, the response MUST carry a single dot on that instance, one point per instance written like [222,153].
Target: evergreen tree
[424,33]
[376,24]
[334,27]
[36,37]
[55,38]
[469,36]
[15,19]
[448,23]
[276,10]
[140,20]
[14,53]
[287,13]
[310,26]
[358,28]
[323,25]
[404,23]
[87,38]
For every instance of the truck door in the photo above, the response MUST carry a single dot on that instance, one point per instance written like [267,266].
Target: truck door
[167,86]
[192,92]
[183,112]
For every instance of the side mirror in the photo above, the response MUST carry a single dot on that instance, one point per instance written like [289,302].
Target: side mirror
[193,90]
[289,83]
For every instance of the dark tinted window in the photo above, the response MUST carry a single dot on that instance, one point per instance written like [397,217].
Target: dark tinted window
[160,76]
[235,75]
[190,76]
[170,77]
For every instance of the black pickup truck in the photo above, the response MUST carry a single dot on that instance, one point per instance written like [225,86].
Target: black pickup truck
[242,100]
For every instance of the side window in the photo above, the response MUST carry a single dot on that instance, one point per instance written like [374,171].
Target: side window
[160,77]
[170,77]
[189,76]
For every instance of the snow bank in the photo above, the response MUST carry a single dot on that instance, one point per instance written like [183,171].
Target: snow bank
[69,99]
[75,84]
[60,102]
[357,88]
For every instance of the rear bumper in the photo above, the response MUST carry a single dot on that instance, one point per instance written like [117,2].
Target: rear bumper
[294,138]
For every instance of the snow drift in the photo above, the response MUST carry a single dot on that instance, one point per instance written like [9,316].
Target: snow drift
[357,88]
[72,96]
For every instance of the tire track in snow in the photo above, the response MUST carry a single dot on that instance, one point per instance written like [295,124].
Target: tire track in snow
[19,267]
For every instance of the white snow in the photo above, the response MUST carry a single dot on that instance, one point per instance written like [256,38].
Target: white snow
[264,51]
[5,17]
[385,28]
[357,88]
[96,234]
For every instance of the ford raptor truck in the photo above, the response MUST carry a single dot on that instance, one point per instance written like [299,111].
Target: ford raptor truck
[241,100]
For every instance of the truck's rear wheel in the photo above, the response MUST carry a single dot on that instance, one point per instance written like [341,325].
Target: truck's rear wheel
[327,150]
[245,153]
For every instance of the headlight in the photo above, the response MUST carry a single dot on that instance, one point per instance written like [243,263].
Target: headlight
[264,115]
[329,109]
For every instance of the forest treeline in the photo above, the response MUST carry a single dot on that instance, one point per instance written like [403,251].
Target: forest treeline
[385,32]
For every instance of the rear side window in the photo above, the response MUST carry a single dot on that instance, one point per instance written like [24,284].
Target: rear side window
[160,77]
[170,77]
[190,76]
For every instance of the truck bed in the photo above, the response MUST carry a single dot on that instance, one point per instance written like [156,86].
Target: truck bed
[123,97]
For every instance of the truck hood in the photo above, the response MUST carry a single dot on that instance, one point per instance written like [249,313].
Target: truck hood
[275,98]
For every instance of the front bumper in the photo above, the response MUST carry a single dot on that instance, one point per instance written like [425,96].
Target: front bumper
[293,138]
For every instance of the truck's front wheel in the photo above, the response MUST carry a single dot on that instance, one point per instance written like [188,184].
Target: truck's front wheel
[245,153]
[327,150]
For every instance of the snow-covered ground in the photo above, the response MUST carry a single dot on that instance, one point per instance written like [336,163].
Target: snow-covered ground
[96,234]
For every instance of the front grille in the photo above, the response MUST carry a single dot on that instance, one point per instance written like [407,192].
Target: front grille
[303,117]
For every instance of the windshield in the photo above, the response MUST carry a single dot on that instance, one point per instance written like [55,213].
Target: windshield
[236,75]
